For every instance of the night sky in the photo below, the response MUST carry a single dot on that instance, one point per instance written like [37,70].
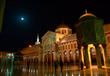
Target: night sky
[41,16]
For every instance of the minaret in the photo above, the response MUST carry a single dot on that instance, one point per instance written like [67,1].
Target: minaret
[37,42]
[86,11]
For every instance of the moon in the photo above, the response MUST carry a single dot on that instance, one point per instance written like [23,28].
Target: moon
[22,18]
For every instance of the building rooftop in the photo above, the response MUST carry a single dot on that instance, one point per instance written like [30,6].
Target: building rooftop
[87,14]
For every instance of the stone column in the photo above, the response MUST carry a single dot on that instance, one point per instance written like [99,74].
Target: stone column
[105,55]
[82,54]
[98,55]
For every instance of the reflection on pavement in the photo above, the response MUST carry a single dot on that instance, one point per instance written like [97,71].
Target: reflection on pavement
[51,70]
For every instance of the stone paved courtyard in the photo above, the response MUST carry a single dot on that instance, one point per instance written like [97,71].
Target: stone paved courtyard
[41,70]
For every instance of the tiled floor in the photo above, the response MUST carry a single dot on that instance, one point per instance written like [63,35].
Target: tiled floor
[40,70]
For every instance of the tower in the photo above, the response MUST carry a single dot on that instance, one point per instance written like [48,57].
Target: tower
[37,42]
[90,32]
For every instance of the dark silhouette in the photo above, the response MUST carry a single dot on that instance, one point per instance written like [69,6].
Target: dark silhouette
[82,65]
[28,64]
[55,65]
[61,63]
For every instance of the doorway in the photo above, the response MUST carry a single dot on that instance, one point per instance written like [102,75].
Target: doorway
[93,56]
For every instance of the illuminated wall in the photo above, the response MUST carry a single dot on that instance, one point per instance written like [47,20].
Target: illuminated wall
[107,33]
[67,47]
[48,40]
[48,45]
[59,36]
[62,31]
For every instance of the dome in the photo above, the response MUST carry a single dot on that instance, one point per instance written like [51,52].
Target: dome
[62,25]
[87,14]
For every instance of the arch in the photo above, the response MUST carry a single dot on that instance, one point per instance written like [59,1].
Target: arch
[65,57]
[77,56]
[71,56]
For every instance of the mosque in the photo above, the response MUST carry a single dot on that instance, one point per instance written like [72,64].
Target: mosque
[90,43]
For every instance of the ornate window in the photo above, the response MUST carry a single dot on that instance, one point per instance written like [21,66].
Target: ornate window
[63,31]
[68,46]
[75,46]
[71,46]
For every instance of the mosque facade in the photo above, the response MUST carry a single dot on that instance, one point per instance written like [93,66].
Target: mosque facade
[90,44]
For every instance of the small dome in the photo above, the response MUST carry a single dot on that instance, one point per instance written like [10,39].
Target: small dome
[87,14]
[62,25]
